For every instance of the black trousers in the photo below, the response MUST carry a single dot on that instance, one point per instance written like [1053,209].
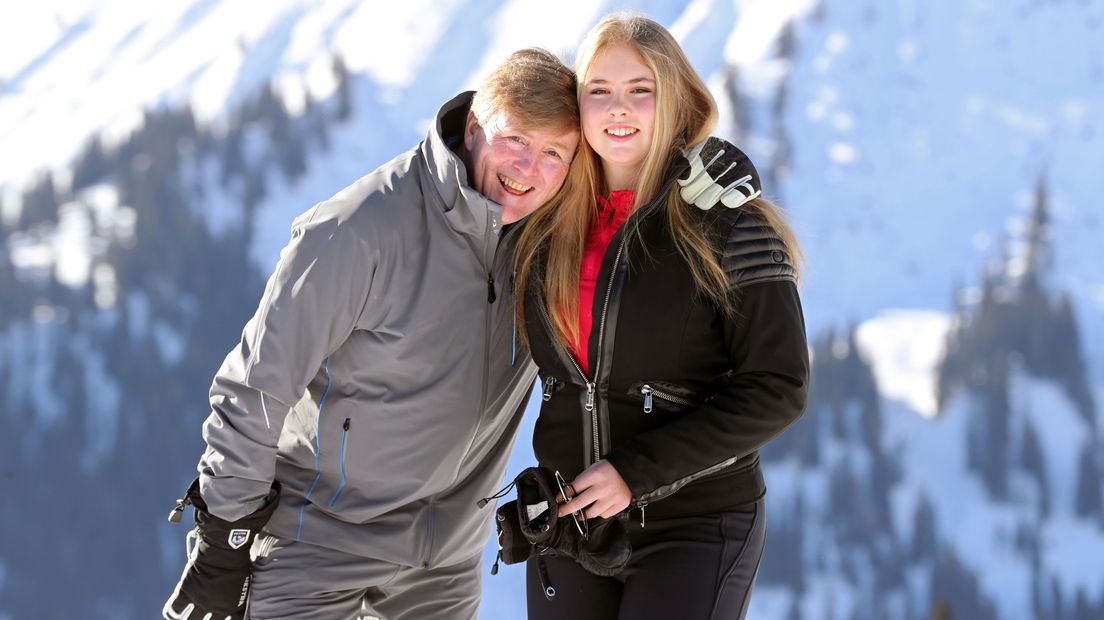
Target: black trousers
[693,568]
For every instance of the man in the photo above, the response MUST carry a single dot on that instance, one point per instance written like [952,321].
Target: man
[375,394]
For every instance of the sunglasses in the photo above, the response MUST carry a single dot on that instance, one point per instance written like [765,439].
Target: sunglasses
[577,516]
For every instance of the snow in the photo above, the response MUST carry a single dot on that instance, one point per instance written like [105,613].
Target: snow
[1075,550]
[28,350]
[984,535]
[103,399]
[768,602]
[756,31]
[138,314]
[562,26]
[219,207]
[933,453]
[390,41]
[1061,431]
[828,595]
[982,532]
[30,254]
[171,344]
[904,348]
[73,245]
[919,581]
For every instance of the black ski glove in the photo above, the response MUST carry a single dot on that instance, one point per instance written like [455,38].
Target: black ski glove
[718,174]
[531,524]
[216,578]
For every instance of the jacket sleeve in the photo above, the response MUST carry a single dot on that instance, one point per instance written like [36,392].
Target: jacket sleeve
[310,306]
[769,359]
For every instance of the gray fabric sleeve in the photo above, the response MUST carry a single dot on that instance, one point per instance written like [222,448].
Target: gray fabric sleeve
[310,306]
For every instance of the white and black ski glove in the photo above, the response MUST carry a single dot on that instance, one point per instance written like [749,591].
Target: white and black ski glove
[719,174]
[216,578]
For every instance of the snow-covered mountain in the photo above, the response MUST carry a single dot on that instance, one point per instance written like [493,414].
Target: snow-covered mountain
[938,161]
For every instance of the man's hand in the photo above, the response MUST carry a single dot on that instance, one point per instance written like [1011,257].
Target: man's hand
[216,579]
[718,174]
[600,490]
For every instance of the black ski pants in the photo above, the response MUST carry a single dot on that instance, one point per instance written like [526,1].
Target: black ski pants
[693,568]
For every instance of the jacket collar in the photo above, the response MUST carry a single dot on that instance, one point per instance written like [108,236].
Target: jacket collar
[466,209]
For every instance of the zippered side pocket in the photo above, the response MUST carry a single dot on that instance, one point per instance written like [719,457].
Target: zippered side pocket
[666,396]
[344,434]
[548,386]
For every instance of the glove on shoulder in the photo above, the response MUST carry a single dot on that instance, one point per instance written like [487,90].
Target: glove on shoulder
[718,174]
[216,579]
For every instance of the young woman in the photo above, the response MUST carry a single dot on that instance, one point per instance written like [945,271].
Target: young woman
[661,307]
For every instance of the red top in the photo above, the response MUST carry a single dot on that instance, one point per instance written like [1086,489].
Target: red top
[612,213]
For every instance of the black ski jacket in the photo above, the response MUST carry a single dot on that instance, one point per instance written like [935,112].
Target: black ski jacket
[680,397]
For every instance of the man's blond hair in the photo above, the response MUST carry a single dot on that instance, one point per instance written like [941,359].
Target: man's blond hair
[534,88]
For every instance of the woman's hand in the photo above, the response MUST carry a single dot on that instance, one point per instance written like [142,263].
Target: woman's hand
[600,490]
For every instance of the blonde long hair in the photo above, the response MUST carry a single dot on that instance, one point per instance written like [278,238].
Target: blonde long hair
[685,114]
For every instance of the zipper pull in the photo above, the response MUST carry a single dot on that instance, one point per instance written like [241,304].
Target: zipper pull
[494,568]
[642,507]
[346,424]
[548,383]
[647,392]
[491,297]
[178,511]
[590,397]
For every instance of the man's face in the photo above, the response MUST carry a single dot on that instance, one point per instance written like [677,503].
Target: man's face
[516,167]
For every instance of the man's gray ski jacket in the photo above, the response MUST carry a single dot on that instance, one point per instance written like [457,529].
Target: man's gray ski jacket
[378,381]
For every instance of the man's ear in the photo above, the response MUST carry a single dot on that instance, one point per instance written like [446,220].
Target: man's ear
[471,128]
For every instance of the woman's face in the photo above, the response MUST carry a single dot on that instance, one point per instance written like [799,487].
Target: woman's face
[618,113]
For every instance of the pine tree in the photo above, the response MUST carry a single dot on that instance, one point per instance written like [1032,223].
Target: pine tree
[91,165]
[741,113]
[1071,366]
[40,204]
[1040,251]
[344,89]
[954,587]
[1031,459]
[1088,502]
[786,48]
[924,535]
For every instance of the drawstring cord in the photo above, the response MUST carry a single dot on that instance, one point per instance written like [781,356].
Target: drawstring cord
[542,570]
[506,489]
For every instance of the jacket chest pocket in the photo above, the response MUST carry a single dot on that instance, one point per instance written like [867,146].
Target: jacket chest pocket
[665,396]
